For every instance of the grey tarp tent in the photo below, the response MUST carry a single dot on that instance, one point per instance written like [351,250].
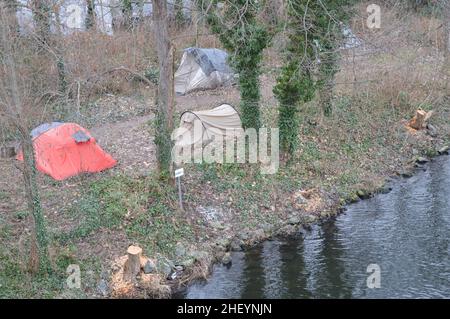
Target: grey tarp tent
[350,39]
[202,69]
[44,128]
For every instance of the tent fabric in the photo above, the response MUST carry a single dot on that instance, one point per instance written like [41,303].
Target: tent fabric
[202,69]
[44,128]
[200,126]
[61,156]
[210,60]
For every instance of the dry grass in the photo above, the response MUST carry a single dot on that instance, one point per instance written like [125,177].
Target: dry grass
[90,54]
[89,58]
[400,63]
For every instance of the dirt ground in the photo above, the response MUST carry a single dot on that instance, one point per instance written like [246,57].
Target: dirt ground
[130,143]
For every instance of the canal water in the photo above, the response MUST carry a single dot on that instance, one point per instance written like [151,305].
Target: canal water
[405,233]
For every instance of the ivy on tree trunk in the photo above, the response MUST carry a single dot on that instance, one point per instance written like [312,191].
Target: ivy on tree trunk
[245,38]
[34,204]
[41,15]
[311,62]
[165,96]
[179,15]
[90,14]
[295,85]
[127,11]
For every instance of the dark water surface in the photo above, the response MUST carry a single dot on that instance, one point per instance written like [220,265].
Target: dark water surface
[405,232]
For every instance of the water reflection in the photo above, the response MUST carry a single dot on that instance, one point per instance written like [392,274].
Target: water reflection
[405,232]
[253,273]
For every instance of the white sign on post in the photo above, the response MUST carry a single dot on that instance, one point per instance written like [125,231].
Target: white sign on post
[179,172]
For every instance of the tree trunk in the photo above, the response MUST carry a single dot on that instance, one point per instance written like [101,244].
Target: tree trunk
[165,96]
[127,11]
[41,15]
[326,97]
[90,15]
[446,22]
[195,20]
[62,75]
[250,96]
[179,15]
[327,69]
[15,111]
[34,203]
[12,7]
[58,55]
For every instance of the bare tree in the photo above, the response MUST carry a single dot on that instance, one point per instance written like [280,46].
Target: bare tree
[51,42]
[445,6]
[165,97]
[90,14]
[12,7]
[42,17]
[14,99]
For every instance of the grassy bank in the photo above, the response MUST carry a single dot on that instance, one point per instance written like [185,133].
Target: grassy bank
[227,207]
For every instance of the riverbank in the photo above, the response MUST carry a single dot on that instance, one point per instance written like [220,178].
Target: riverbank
[317,204]
[402,233]
[92,219]
[234,207]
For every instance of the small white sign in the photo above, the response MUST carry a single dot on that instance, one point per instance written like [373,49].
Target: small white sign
[179,172]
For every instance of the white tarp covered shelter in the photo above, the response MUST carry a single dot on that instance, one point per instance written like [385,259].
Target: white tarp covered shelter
[201,126]
[351,40]
[202,69]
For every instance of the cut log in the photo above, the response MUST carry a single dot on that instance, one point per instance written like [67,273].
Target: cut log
[419,121]
[133,264]
[7,151]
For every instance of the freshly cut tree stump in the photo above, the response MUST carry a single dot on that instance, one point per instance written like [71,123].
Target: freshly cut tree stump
[419,121]
[133,264]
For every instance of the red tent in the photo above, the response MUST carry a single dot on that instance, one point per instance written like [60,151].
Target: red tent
[66,149]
